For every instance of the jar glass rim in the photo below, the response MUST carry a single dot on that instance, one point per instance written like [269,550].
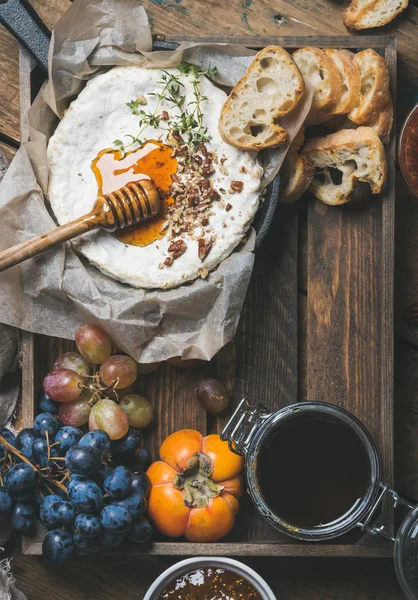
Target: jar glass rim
[354,516]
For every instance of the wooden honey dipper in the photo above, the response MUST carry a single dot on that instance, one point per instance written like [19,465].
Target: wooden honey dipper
[134,203]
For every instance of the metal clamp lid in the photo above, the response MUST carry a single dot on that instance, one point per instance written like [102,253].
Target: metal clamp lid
[241,427]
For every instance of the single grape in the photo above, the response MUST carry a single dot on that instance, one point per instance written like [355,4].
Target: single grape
[40,453]
[45,422]
[87,525]
[92,420]
[108,416]
[140,532]
[9,437]
[47,405]
[118,483]
[143,459]
[65,513]
[119,371]
[126,449]
[88,545]
[85,496]
[67,437]
[99,440]
[135,504]
[57,547]
[82,460]
[138,410]
[77,412]
[22,517]
[24,443]
[110,538]
[6,502]
[141,483]
[115,518]
[63,385]
[100,475]
[93,343]
[48,512]
[74,362]
[21,479]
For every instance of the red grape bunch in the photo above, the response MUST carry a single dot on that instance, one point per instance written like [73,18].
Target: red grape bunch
[95,386]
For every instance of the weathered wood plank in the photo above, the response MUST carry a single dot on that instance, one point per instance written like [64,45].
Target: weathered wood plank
[9,85]
[9,151]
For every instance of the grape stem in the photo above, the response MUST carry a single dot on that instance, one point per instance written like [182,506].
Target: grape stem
[23,458]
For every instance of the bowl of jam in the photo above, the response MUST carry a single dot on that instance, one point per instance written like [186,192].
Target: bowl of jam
[209,578]
[408,150]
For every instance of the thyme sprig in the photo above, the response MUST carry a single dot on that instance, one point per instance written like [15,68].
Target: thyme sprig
[188,123]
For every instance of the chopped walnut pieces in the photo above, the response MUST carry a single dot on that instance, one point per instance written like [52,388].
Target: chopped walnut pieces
[177,248]
[228,207]
[242,169]
[223,159]
[205,222]
[236,187]
[214,195]
[169,261]
[164,115]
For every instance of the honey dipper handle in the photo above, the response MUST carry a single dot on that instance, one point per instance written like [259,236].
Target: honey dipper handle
[17,254]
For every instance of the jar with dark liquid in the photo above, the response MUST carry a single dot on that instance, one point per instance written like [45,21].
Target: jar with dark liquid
[408,150]
[314,473]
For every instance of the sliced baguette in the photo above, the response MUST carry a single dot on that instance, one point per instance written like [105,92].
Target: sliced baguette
[364,14]
[271,88]
[345,62]
[374,88]
[296,172]
[384,122]
[358,154]
[320,71]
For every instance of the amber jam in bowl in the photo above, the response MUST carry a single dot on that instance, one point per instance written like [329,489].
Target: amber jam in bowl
[408,150]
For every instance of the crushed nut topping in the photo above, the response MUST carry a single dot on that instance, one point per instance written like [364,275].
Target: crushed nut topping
[228,207]
[205,246]
[177,248]
[236,187]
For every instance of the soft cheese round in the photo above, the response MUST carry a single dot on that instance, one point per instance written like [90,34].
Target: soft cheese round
[93,121]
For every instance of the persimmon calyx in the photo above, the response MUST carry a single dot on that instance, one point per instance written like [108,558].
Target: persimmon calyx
[195,482]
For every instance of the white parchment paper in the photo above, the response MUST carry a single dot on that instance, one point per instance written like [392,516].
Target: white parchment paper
[57,291]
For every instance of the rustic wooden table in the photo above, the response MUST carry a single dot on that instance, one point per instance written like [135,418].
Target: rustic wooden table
[303,578]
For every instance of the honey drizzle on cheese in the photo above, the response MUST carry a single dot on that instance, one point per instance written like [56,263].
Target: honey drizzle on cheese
[154,160]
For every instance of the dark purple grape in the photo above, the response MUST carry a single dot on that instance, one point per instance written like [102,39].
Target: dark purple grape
[57,547]
[24,443]
[140,532]
[126,449]
[143,459]
[97,439]
[67,437]
[88,545]
[135,504]
[23,517]
[87,526]
[9,437]
[21,479]
[118,483]
[47,405]
[65,513]
[6,502]
[115,518]
[141,483]
[110,538]
[85,496]
[45,422]
[40,453]
[48,512]
[83,460]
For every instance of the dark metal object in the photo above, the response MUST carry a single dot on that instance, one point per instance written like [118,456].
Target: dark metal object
[23,22]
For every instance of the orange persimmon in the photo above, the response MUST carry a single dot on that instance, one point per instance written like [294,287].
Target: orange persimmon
[195,487]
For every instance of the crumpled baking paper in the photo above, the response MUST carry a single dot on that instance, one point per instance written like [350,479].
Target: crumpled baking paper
[59,290]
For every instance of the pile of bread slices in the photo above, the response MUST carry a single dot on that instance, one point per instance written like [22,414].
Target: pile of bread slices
[351,98]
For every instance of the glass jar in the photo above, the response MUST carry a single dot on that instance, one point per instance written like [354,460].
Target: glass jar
[248,432]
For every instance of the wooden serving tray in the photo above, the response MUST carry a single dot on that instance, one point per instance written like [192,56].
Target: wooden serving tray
[317,324]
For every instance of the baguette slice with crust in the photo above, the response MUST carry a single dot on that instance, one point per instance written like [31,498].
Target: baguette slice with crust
[358,154]
[296,172]
[384,122]
[271,88]
[345,62]
[374,88]
[318,68]
[363,14]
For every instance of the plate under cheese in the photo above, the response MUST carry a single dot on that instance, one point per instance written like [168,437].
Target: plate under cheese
[92,123]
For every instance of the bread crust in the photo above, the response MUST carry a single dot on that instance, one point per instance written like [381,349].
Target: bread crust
[318,68]
[374,74]
[355,16]
[272,133]
[342,150]
[350,75]
[296,172]
[384,123]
